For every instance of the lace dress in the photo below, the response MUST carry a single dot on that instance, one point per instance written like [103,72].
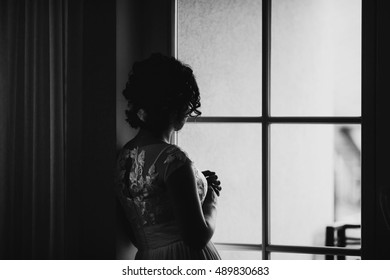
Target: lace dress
[141,189]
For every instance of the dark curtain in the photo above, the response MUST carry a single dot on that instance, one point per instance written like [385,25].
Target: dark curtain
[35,86]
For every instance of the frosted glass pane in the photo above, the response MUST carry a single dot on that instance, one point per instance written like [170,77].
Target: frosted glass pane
[289,256]
[221,40]
[239,255]
[316,58]
[233,151]
[315,181]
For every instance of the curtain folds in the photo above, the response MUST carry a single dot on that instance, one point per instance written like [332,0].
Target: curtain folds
[34,90]
[57,129]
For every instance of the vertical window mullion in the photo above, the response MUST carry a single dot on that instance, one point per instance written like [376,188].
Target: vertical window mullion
[174,46]
[266,60]
[369,53]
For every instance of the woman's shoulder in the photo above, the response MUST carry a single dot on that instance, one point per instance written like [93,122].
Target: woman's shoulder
[175,153]
[174,157]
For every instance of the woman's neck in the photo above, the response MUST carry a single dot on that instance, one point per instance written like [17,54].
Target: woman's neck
[150,137]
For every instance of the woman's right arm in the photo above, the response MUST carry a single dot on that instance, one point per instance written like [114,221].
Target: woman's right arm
[197,222]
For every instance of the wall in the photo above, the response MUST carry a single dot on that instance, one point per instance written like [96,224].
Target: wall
[382,232]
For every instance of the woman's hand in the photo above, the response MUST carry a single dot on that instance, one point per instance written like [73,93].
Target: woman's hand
[212,181]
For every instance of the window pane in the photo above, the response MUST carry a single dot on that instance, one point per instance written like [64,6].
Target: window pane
[316,57]
[293,256]
[288,256]
[239,255]
[233,151]
[315,183]
[221,40]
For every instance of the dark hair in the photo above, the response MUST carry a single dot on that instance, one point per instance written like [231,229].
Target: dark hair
[164,88]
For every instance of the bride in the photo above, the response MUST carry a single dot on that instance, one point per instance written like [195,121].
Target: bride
[169,204]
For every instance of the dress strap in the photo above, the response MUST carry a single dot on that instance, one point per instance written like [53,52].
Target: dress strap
[158,156]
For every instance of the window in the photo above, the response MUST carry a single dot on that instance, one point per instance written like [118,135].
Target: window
[281,101]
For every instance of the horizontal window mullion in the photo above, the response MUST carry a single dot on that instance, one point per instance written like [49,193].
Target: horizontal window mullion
[316,120]
[290,249]
[281,120]
[238,247]
[314,250]
[226,120]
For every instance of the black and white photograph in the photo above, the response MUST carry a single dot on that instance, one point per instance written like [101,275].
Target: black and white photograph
[229,130]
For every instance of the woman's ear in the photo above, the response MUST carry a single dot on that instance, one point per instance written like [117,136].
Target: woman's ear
[142,115]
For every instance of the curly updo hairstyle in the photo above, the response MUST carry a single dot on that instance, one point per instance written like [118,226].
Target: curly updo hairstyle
[165,89]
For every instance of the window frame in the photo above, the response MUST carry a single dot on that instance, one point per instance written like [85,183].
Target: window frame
[366,122]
